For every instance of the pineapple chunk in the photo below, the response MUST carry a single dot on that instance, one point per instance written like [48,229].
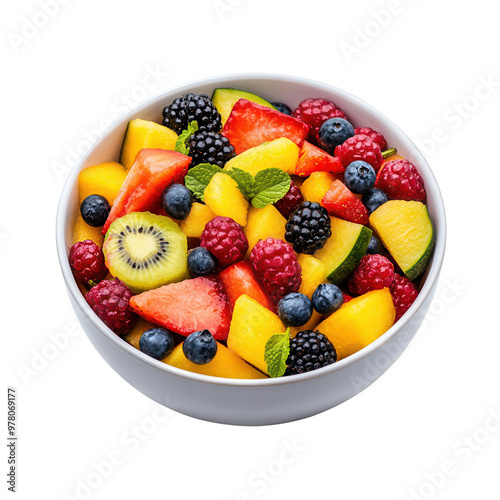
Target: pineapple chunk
[280,153]
[224,198]
[264,223]
[317,185]
[251,327]
[194,224]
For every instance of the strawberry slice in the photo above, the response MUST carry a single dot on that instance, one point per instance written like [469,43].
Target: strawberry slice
[314,159]
[152,171]
[186,307]
[250,124]
[239,279]
[341,202]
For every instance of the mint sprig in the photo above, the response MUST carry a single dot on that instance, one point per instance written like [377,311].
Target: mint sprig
[276,353]
[267,187]
[270,185]
[181,143]
[199,177]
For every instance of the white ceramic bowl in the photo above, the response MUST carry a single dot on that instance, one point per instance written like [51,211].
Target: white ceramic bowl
[253,402]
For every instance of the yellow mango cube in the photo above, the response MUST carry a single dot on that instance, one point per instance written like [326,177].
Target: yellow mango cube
[194,224]
[264,223]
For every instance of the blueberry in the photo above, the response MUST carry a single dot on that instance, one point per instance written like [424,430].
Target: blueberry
[157,342]
[200,347]
[283,108]
[359,177]
[177,201]
[327,298]
[295,309]
[375,246]
[95,210]
[334,132]
[201,262]
[373,199]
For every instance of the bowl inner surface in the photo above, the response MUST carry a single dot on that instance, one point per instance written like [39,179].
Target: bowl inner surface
[290,90]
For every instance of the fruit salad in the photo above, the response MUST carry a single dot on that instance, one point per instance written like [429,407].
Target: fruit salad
[241,239]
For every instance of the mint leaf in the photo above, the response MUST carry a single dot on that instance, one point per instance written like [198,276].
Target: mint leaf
[276,353]
[181,143]
[198,178]
[244,180]
[270,186]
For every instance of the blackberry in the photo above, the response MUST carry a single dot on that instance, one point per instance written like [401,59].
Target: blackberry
[308,228]
[192,107]
[309,350]
[210,147]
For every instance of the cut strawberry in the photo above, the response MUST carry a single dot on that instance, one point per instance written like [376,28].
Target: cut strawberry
[313,159]
[152,171]
[342,203]
[239,279]
[186,307]
[250,124]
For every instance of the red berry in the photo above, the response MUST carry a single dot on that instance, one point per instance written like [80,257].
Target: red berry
[87,262]
[290,201]
[373,273]
[401,181]
[403,293]
[359,147]
[315,112]
[277,268]
[225,239]
[110,301]
[373,135]
[347,297]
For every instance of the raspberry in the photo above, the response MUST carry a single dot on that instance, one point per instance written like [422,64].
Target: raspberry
[87,262]
[109,300]
[359,147]
[401,181]
[315,112]
[403,293]
[373,272]
[347,297]
[277,267]
[290,201]
[225,239]
[373,135]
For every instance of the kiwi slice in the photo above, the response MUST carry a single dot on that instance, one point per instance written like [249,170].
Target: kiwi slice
[145,251]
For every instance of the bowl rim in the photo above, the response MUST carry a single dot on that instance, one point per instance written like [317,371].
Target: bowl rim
[221,80]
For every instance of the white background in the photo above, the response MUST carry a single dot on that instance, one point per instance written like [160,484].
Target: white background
[424,65]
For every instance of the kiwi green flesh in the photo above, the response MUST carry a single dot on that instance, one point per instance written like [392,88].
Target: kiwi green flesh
[146,251]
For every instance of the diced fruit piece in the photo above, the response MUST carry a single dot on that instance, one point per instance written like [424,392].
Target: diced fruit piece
[135,334]
[82,231]
[313,274]
[146,251]
[340,202]
[225,99]
[239,279]
[152,172]
[406,230]
[251,124]
[186,307]
[279,153]
[196,221]
[105,179]
[344,249]
[264,223]
[313,159]
[226,364]
[224,198]
[359,322]
[317,185]
[251,327]
[141,134]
